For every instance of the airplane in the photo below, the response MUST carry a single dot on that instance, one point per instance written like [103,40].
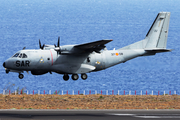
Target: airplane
[88,57]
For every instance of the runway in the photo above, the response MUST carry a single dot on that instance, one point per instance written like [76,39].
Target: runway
[89,114]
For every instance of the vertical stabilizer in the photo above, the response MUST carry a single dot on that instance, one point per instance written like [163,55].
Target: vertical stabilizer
[158,33]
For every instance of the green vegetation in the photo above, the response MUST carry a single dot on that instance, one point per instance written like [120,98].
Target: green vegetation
[8,87]
[57,92]
[100,97]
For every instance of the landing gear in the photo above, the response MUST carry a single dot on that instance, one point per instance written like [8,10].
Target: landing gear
[84,76]
[7,71]
[21,76]
[66,77]
[75,76]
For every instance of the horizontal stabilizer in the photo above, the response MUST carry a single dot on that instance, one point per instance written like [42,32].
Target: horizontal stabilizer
[158,50]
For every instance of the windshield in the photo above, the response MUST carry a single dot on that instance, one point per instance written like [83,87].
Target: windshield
[24,56]
[16,55]
[20,55]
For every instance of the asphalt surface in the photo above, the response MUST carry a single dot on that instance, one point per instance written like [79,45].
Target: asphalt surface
[89,114]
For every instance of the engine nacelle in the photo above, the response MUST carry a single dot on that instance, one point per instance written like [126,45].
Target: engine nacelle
[37,72]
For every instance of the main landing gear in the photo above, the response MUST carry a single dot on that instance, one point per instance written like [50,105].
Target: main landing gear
[84,76]
[66,77]
[75,76]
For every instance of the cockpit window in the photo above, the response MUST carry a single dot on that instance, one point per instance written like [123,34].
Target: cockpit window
[16,55]
[20,55]
[24,56]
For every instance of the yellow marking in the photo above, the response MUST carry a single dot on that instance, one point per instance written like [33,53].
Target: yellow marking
[159,23]
[41,61]
[98,62]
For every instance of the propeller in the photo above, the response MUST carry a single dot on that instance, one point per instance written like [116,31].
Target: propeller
[57,43]
[41,47]
[57,48]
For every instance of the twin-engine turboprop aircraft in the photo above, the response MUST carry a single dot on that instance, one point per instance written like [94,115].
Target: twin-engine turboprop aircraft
[88,57]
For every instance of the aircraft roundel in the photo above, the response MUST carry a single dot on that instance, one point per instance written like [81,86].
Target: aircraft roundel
[117,54]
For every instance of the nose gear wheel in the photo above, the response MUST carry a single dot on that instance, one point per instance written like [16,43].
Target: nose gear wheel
[21,76]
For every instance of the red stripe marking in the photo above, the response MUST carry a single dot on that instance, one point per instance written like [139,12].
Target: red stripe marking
[51,57]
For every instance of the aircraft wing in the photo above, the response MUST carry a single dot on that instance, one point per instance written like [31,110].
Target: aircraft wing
[93,46]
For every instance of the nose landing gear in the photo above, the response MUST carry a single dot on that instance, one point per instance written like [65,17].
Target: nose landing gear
[7,71]
[21,76]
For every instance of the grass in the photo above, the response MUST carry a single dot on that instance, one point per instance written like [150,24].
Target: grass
[100,97]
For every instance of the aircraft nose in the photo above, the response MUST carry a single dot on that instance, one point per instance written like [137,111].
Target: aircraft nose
[4,64]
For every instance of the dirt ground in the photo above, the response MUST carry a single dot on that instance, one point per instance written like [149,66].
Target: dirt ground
[89,101]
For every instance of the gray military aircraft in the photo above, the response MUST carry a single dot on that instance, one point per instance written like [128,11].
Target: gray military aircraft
[88,57]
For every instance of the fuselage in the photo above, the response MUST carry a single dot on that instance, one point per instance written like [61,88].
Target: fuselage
[49,61]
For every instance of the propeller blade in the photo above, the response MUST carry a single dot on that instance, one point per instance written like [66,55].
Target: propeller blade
[57,48]
[41,47]
[58,45]
[40,44]
[58,41]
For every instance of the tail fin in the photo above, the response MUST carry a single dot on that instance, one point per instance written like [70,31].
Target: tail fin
[156,38]
[158,33]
